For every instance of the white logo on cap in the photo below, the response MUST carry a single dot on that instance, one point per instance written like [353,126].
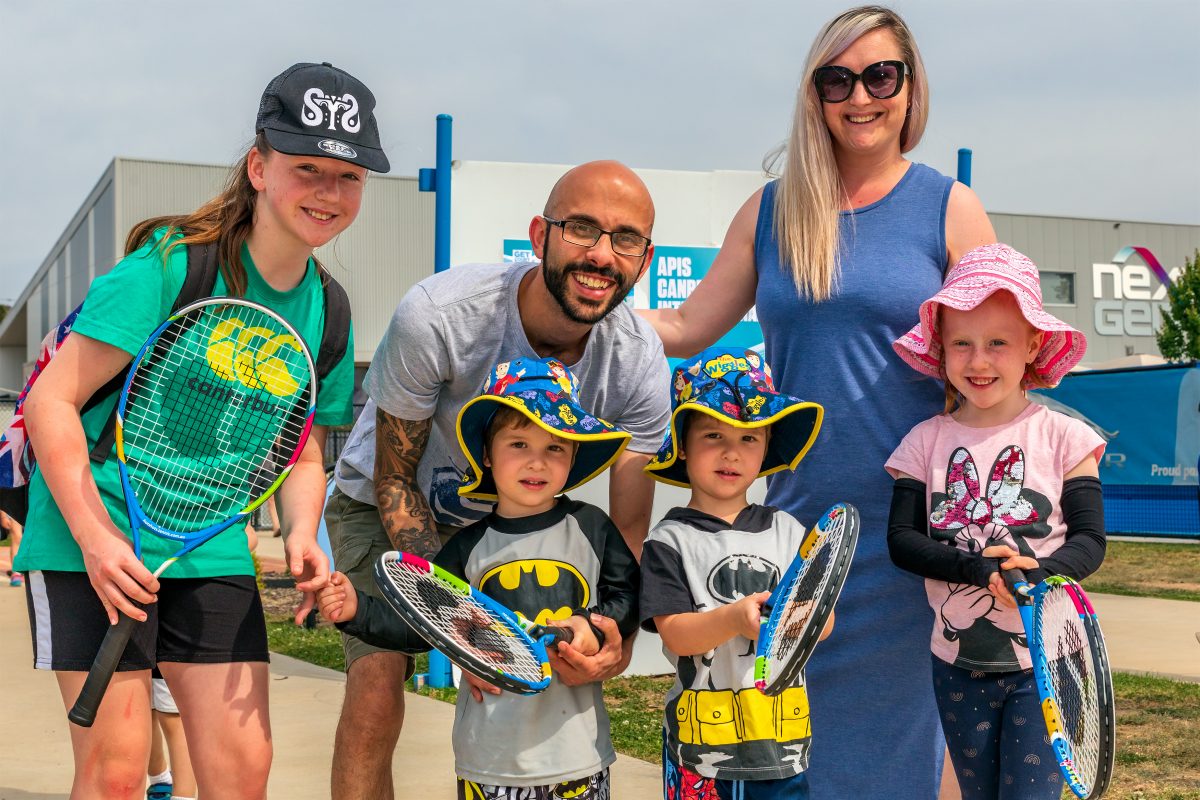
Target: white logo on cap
[336,148]
[320,107]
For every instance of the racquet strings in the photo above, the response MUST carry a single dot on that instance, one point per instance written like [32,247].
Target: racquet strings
[464,621]
[215,412]
[1073,677]
[800,602]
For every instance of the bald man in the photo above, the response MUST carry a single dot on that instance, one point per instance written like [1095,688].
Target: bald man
[398,477]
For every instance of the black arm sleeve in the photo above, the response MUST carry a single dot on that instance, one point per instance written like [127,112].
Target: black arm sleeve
[1083,510]
[618,589]
[913,550]
[379,626]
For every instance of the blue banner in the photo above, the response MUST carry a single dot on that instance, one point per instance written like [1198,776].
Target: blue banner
[1149,416]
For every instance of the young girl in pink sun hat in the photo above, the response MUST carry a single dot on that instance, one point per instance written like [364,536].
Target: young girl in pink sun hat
[1037,507]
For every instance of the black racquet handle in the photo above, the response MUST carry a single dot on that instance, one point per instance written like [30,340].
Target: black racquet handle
[550,635]
[83,713]
[1014,576]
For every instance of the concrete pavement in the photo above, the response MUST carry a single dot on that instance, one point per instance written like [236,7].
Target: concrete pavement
[1143,635]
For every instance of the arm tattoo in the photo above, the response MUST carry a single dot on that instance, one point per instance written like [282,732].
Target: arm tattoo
[406,516]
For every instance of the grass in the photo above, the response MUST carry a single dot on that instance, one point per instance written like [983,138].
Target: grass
[1148,569]
[1158,739]
[321,646]
[635,711]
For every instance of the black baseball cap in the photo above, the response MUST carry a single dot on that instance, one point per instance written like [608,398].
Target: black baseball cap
[320,110]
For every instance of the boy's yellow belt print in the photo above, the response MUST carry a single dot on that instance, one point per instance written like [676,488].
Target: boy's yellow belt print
[723,718]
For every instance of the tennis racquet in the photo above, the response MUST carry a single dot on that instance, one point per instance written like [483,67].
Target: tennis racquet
[795,614]
[1070,667]
[215,410]
[478,634]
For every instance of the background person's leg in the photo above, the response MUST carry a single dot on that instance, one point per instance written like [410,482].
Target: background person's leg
[369,727]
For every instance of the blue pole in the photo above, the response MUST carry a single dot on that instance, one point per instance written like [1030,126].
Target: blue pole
[964,166]
[437,180]
[440,674]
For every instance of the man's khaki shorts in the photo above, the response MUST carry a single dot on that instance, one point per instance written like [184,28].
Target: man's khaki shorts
[358,540]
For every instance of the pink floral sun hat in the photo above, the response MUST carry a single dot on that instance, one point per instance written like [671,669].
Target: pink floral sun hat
[979,274]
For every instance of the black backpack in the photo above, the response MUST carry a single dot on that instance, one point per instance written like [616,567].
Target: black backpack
[16,453]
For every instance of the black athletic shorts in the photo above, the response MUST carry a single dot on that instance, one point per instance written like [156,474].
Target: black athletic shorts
[195,621]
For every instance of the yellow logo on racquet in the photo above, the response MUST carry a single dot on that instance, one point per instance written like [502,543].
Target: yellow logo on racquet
[248,355]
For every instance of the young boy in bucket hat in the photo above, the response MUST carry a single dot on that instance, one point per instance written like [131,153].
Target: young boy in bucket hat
[995,482]
[527,440]
[707,569]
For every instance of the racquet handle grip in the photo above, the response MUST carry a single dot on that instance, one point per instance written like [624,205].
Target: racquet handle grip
[550,635]
[83,713]
[1015,577]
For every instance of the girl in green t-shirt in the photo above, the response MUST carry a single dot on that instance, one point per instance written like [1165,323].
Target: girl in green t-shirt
[297,187]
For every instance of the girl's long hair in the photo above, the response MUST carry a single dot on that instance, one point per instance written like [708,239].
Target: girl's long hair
[810,195]
[227,219]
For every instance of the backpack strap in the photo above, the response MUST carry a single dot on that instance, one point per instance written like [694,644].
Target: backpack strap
[335,337]
[198,283]
[201,277]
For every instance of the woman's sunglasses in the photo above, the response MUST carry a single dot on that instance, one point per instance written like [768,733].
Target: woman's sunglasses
[881,80]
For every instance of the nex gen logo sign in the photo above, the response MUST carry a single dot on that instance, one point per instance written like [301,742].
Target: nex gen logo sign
[1128,301]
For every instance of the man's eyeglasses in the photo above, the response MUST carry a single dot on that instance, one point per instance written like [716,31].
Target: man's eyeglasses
[881,80]
[585,234]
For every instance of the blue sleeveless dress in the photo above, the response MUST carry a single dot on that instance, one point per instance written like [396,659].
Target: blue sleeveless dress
[875,727]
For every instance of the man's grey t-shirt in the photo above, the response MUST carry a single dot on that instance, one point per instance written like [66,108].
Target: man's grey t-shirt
[446,335]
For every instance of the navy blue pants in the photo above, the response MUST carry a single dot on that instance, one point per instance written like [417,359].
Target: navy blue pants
[996,734]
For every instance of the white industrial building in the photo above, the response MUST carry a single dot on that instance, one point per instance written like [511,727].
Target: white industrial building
[391,247]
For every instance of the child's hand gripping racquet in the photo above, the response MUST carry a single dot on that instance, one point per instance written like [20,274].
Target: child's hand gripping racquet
[796,612]
[1070,667]
[215,411]
[473,630]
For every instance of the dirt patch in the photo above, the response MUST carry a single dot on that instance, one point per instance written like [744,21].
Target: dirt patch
[279,596]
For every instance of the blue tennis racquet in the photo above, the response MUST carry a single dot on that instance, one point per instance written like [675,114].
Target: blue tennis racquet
[214,413]
[1070,666]
[795,614]
[478,634]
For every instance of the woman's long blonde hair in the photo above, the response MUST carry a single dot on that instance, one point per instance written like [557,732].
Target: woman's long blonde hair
[810,194]
[227,219]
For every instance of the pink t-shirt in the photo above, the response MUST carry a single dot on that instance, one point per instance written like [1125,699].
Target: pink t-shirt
[986,486]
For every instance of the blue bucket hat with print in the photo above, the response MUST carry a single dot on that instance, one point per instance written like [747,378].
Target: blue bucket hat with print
[735,386]
[548,393]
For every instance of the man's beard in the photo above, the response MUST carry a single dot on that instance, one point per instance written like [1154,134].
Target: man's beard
[583,310]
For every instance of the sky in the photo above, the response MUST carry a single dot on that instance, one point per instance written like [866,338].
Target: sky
[1071,108]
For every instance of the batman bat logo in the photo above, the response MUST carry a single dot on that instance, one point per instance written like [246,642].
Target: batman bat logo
[540,589]
[568,790]
[741,575]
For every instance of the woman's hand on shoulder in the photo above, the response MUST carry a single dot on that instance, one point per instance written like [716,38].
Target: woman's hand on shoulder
[967,224]
[723,296]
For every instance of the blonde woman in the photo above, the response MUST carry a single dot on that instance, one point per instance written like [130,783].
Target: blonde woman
[835,254]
